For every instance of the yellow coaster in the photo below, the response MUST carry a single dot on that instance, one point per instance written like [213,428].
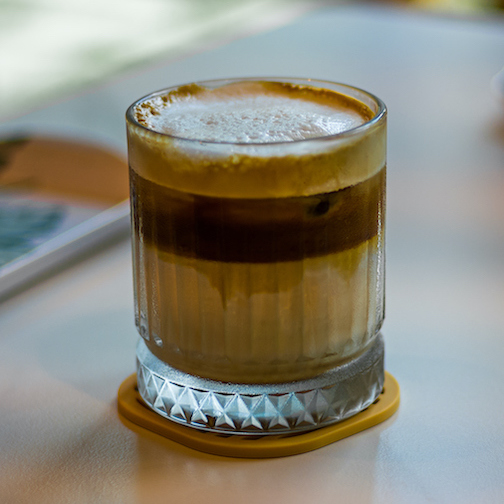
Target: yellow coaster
[132,408]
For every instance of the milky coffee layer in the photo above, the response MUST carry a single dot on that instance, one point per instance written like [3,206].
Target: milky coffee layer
[231,137]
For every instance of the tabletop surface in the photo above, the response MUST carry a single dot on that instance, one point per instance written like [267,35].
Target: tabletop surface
[67,342]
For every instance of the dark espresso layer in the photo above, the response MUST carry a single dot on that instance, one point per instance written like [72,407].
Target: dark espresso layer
[256,230]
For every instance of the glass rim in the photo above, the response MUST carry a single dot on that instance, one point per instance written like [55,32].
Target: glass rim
[380,114]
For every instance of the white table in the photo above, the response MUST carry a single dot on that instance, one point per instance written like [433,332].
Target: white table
[68,342]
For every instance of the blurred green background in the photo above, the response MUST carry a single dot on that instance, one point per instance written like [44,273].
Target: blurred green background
[54,48]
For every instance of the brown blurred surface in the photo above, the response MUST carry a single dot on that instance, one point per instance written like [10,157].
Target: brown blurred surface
[67,170]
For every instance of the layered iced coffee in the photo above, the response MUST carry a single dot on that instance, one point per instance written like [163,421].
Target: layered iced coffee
[258,213]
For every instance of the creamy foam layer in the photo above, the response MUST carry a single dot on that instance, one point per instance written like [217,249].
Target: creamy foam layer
[312,159]
[251,112]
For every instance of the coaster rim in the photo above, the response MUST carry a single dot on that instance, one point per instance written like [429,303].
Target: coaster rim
[132,409]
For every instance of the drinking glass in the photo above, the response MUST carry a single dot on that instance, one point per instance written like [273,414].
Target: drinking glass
[259,272]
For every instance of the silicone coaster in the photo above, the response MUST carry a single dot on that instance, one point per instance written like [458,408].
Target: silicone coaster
[132,409]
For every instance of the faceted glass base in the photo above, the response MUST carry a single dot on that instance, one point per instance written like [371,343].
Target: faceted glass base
[258,409]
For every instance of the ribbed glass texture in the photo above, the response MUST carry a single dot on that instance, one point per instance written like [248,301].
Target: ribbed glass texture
[260,289]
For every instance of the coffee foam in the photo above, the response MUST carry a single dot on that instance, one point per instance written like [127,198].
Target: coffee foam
[250,112]
[255,170]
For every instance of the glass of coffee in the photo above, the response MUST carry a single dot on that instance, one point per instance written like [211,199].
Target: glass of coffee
[258,212]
